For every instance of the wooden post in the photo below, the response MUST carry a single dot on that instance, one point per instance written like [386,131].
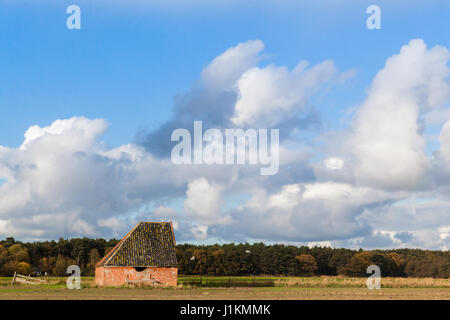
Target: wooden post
[14,278]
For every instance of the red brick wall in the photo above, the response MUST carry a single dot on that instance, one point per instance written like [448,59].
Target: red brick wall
[117,276]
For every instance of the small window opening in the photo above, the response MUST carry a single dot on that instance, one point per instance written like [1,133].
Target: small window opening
[140,269]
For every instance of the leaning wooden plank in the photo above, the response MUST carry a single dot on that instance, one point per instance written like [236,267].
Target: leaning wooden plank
[31,279]
[18,278]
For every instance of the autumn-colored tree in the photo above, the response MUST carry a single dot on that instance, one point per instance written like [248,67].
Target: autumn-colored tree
[9,268]
[398,264]
[23,268]
[230,259]
[46,265]
[307,264]
[4,256]
[19,253]
[60,266]
[359,263]
[14,248]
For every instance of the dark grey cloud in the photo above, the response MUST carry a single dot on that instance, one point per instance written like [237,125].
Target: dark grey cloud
[404,236]
[213,108]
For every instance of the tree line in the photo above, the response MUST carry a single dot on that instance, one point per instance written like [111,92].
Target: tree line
[53,258]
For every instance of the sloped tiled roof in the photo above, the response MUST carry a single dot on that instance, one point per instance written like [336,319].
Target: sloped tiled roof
[148,244]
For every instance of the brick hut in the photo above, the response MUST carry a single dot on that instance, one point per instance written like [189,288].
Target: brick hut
[146,255]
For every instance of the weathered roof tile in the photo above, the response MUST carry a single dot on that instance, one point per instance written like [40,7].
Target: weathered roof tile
[148,244]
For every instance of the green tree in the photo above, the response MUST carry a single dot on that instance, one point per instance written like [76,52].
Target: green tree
[94,257]
[339,262]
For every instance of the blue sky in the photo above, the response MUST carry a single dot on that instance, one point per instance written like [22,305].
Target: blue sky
[131,58]
[132,61]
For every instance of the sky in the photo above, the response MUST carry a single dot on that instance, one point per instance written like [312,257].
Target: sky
[363,117]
